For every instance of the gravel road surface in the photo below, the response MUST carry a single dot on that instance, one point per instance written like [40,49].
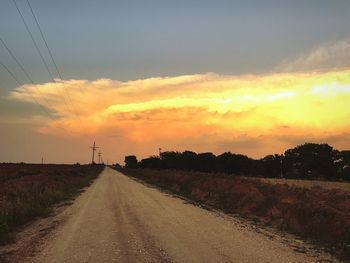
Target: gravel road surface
[118,219]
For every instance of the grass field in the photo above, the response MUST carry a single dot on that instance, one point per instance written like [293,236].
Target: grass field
[308,183]
[312,212]
[30,190]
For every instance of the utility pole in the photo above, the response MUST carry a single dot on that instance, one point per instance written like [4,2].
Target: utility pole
[94,147]
[99,157]
[160,152]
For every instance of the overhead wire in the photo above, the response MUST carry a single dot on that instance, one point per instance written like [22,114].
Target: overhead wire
[44,39]
[25,72]
[10,72]
[20,83]
[16,60]
[38,50]
[49,51]
[41,105]
[33,40]
[40,53]
[55,65]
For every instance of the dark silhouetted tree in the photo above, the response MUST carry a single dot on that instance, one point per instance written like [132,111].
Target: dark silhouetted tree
[152,162]
[171,160]
[343,164]
[270,166]
[189,160]
[307,161]
[130,161]
[205,162]
[310,160]
[235,164]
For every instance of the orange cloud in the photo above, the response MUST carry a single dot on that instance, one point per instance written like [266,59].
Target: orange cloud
[249,114]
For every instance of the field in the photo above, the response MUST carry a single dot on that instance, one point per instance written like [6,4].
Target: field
[308,183]
[30,190]
[312,212]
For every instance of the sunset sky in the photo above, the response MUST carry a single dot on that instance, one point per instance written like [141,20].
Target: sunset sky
[251,77]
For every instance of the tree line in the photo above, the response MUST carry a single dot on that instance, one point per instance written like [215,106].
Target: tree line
[307,161]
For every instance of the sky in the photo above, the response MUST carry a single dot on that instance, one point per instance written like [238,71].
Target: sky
[250,77]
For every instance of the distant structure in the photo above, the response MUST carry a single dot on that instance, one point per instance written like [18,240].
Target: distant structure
[160,152]
[99,157]
[94,148]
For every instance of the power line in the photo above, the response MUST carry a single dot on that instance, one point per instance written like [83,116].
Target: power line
[16,60]
[47,46]
[30,79]
[19,83]
[56,67]
[43,60]
[9,71]
[41,56]
[38,50]
[23,70]
[34,42]
[31,95]
[43,37]
[43,108]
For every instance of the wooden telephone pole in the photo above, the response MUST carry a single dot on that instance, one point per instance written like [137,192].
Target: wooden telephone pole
[94,147]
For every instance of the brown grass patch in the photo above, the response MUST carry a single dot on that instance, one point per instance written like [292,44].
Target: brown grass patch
[28,191]
[315,213]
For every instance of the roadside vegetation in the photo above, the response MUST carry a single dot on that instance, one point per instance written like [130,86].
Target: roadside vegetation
[236,184]
[30,190]
[318,214]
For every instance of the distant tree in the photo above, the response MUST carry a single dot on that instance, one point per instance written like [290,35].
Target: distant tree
[311,160]
[270,166]
[206,162]
[189,160]
[307,161]
[235,163]
[171,160]
[342,162]
[130,161]
[153,162]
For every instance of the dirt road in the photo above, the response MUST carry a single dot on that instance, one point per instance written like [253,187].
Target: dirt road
[120,220]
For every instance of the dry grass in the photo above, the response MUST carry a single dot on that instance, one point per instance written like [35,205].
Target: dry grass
[308,183]
[314,213]
[28,191]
